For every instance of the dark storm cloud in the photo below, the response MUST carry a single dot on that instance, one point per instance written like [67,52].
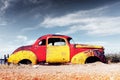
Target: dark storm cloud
[29,10]
[53,6]
[58,7]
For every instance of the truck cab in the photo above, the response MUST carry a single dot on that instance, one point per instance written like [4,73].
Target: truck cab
[53,48]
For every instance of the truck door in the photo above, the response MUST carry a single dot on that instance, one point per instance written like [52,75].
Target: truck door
[40,50]
[57,50]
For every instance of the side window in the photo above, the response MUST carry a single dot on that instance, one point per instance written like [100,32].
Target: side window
[42,42]
[56,42]
[71,41]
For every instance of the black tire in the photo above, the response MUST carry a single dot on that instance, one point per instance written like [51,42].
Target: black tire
[92,59]
[25,61]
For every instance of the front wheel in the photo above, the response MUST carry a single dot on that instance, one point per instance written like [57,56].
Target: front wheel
[92,59]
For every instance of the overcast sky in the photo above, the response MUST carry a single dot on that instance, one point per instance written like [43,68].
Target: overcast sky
[87,21]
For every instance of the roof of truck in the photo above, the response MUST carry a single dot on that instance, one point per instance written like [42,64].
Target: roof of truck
[50,35]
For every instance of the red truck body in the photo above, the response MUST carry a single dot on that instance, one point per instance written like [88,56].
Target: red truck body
[54,48]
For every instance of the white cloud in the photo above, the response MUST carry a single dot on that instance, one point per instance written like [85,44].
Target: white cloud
[7,49]
[3,23]
[97,26]
[30,42]
[93,22]
[73,18]
[21,37]
[30,28]
[110,47]
[66,20]
[4,6]
[11,45]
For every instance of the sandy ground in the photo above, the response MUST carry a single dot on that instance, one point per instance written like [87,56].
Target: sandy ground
[94,71]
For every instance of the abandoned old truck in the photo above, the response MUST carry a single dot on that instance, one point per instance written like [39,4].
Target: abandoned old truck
[53,48]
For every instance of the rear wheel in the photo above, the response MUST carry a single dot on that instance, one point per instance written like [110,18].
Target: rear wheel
[25,61]
[92,59]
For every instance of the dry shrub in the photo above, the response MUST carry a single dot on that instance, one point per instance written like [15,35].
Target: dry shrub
[113,58]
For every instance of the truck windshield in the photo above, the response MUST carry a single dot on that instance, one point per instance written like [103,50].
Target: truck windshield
[70,40]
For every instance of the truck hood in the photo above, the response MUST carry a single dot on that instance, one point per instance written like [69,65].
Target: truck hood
[88,46]
[23,48]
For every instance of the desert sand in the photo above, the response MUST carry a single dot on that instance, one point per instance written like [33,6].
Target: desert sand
[93,71]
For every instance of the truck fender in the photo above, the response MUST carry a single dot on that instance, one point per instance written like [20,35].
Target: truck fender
[80,58]
[22,55]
